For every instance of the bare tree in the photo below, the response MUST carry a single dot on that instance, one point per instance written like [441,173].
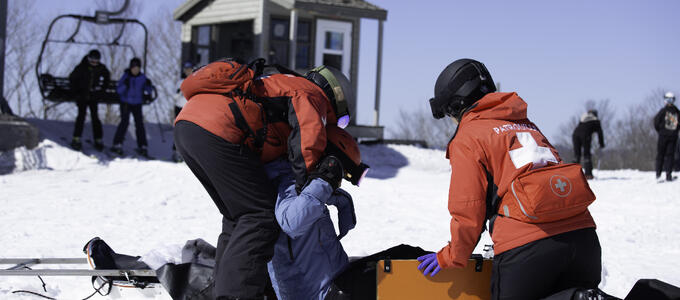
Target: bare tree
[23,33]
[164,62]
[421,126]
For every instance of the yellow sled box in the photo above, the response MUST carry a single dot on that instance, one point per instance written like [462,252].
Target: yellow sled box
[401,279]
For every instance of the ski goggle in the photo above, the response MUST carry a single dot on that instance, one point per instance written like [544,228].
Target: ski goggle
[343,121]
[357,173]
[353,173]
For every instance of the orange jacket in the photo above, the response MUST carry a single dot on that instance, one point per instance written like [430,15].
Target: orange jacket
[300,132]
[486,156]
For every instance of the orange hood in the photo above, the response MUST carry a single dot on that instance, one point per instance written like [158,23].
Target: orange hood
[217,78]
[498,106]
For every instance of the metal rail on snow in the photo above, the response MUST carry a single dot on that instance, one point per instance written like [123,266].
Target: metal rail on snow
[21,266]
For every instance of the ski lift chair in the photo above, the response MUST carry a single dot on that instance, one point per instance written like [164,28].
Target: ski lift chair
[58,89]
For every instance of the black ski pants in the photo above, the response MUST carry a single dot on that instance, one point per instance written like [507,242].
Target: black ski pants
[583,143]
[236,181]
[125,111]
[83,105]
[547,266]
[665,154]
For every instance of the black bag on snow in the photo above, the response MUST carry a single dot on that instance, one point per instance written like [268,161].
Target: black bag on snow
[645,289]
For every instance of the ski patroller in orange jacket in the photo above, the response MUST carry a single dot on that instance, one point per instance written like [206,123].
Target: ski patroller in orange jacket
[495,143]
[300,132]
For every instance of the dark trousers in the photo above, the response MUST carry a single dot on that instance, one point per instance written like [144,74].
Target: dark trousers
[125,111]
[177,110]
[665,154]
[83,105]
[547,266]
[583,143]
[236,181]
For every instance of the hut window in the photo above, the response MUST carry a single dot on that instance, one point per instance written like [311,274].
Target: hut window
[203,44]
[279,42]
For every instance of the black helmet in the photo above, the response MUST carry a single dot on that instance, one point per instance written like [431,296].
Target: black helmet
[461,84]
[337,88]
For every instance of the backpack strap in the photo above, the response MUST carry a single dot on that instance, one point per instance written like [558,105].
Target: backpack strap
[258,136]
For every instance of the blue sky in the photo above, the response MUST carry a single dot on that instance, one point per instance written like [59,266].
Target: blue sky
[555,54]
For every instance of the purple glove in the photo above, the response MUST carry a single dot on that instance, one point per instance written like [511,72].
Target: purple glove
[429,263]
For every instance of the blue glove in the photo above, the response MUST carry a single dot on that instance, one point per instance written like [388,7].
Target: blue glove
[347,219]
[429,263]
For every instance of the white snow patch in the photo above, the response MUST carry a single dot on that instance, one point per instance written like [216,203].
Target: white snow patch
[53,209]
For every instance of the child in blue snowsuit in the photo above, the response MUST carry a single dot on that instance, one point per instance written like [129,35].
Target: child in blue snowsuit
[308,254]
[131,88]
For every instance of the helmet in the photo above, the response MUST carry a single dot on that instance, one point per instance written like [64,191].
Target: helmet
[461,84]
[343,146]
[337,88]
[669,97]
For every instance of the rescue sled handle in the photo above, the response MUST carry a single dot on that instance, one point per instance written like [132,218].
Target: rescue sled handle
[21,263]
[79,272]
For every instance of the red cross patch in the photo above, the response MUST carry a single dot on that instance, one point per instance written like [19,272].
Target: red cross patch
[560,185]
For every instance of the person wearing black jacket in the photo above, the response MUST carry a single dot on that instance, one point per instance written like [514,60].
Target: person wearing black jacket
[88,79]
[666,124]
[582,138]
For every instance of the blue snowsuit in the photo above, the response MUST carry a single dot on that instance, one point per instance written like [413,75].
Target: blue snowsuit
[131,90]
[308,254]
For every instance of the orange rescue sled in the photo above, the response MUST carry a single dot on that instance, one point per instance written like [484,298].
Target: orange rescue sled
[400,279]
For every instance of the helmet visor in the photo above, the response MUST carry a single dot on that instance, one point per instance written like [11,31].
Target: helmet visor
[343,121]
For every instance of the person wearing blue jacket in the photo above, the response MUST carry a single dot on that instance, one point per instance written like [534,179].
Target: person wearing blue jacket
[131,87]
[308,254]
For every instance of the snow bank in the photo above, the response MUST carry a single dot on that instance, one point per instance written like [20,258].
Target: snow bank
[53,209]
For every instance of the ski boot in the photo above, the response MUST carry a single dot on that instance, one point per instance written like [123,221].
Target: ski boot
[117,149]
[176,157]
[592,294]
[76,144]
[143,151]
[98,145]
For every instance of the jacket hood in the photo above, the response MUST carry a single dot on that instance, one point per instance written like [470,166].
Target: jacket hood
[498,106]
[217,78]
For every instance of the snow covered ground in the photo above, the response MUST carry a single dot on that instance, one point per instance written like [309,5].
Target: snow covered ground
[59,199]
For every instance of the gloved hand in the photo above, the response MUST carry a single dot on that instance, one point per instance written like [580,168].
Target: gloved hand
[330,170]
[429,263]
[347,218]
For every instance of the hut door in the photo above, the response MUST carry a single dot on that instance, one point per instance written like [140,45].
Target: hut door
[334,44]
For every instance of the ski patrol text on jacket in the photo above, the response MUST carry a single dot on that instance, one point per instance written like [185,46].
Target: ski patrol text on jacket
[494,144]
[294,110]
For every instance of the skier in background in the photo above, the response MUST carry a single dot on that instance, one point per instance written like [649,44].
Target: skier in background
[131,87]
[187,68]
[582,138]
[666,124]
[494,145]
[87,80]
